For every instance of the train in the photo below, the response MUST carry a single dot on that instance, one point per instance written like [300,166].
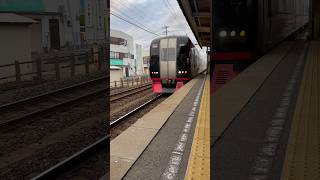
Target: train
[244,30]
[174,60]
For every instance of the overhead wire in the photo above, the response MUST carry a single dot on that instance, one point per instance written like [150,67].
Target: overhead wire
[173,12]
[132,13]
[128,17]
[138,12]
[132,23]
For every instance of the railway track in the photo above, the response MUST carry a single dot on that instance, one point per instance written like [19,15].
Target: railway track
[69,163]
[73,160]
[114,123]
[24,110]
[126,93]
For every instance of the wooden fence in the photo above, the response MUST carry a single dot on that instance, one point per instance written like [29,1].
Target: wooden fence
[54,68]
[130,81]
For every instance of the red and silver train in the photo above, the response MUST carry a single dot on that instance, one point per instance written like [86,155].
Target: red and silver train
[243,30]
[173,61]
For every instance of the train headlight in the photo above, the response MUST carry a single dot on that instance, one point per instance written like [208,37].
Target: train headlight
[223,34]
[243,33]
[233,33]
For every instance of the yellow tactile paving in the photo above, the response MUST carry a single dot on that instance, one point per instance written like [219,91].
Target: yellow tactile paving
[302,160]
[199,160]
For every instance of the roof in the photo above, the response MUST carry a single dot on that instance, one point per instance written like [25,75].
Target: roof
[197,13]
[14,18]
[171,36]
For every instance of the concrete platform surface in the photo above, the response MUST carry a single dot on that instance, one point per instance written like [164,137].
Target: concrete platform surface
[251,145]
[167,155]
[128,146]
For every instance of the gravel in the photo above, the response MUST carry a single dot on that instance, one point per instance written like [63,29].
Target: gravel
[115,131]
[54,148]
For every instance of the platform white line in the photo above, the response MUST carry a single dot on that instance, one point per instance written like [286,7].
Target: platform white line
[263,162]
[176,155]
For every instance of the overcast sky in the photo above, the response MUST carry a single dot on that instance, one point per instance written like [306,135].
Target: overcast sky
[152,15]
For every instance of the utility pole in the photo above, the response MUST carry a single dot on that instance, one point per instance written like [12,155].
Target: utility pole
[166,30]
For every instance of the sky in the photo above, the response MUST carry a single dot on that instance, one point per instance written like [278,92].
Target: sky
[151,15]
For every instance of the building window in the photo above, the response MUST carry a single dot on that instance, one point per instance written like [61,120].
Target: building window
[146,60]
[114,55]
[118,41]
[120,55]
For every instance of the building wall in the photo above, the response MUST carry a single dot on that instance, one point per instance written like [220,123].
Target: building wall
[15,43]
[119,34]
[146,60]
[95,30]
[128,63]
[36,37]
[139,60]
[68,13]
[115,75]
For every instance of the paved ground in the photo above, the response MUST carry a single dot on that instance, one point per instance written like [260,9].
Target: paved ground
[234,155]
[156,157]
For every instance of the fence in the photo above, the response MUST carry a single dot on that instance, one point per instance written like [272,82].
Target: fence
[54,68]
[130,81]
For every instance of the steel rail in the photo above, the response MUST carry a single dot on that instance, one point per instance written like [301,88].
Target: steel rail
[73,160]
[26,100]
[122,118]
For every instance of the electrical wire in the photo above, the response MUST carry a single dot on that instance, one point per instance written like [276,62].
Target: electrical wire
[132,23]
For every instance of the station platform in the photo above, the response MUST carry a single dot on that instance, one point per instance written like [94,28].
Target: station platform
[165,142]
[265,122]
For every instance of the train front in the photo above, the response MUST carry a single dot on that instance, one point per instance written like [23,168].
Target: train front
[169,69]
[233,36]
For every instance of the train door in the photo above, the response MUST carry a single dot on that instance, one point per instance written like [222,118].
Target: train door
[168,58]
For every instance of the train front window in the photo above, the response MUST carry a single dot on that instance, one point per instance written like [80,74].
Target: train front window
[168,54]
[164,54]
[171,54]
[238,11]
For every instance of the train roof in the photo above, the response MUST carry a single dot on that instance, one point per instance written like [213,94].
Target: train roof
[175,36]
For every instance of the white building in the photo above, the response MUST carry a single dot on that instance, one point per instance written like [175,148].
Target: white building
[121,55]
[139,60]
[62,23]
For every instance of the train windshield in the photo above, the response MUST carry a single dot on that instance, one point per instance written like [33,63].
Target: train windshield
[234,12]
[168,54]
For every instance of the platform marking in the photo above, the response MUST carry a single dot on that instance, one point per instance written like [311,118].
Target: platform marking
[263,162]
[178,151]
